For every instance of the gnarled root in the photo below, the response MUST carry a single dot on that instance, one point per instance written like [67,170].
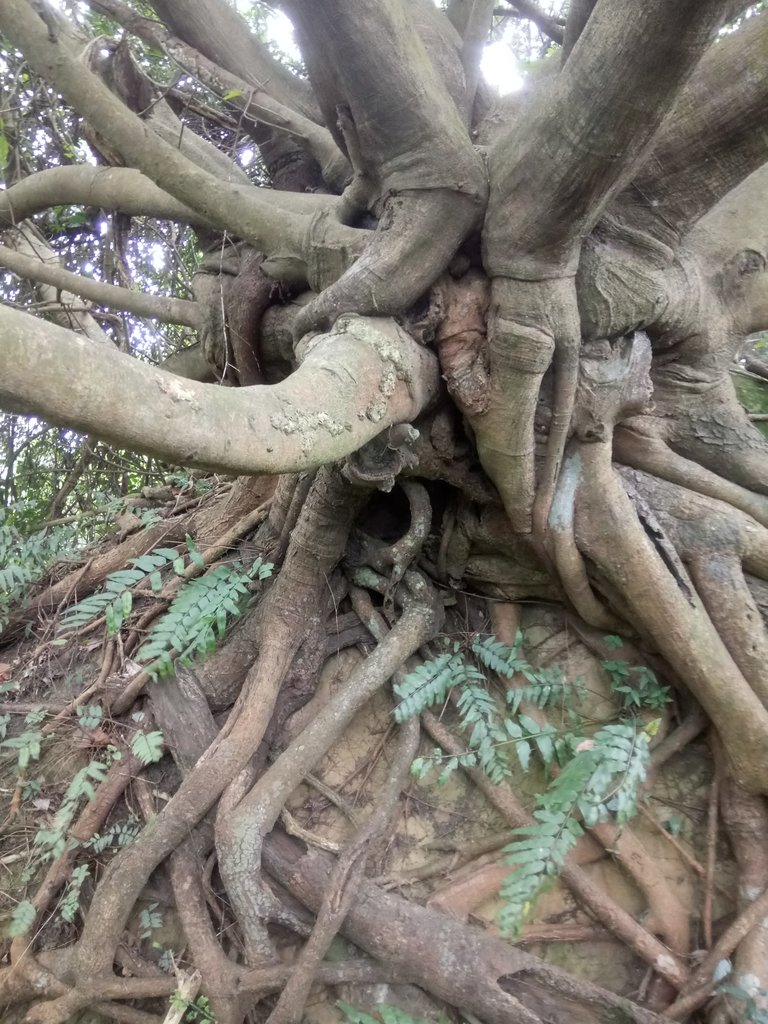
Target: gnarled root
[240,833]
[417,236]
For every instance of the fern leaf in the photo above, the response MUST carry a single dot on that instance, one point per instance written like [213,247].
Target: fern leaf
[497,656]
[537,862]
[545,688]
[198,612]
[148,747]
[156,559]
[23,917]
[428,684]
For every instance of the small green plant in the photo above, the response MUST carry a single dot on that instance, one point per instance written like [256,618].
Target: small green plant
[755,1002]
[148,747]
[167,962]
[599,782]
[70,904]
[150,919]
[23,917]
[89,715]
[115,600]
[492,736]
[52,842]
[592,778]
[24,559]
[30,790]
[198,616]
[637,685]
[119,834]
[198,1012]
[26,744]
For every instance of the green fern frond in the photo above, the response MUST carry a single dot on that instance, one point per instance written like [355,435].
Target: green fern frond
[114,601]
[603,778]
[70,903]
[429,684]
[487,737]
[24,559]
[526,733]
[500,657]
[620,770]
[198,616]
[549,687]
[148,747]
[545,686]
[538,858]
[52,842]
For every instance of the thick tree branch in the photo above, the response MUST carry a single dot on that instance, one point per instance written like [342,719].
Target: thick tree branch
[529,11]
[367,62]
[122,189]
[224,37]
[126,190]
[551,176]
[578,15]
[247,213]
[178,311]
[475,18]
[713,138]
[254,101]
[553,172]
[369,373]
[402,115]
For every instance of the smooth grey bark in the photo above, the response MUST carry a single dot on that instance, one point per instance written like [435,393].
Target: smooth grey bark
[413,160]
[579,12]
[127,190]
[353,383]
[217,30]
[712,139]
[638,56]
[231,72]
[403,118]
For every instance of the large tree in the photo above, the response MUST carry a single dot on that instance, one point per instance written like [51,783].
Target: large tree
[519,315]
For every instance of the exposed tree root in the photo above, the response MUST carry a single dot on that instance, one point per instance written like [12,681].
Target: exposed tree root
[589,234]
[609,532]
[240,835]
[652,455]
[345,881]
[611,916]
[714,542]
[318,542]
[567,558]
[459,964]
[703,982]
[746,819]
